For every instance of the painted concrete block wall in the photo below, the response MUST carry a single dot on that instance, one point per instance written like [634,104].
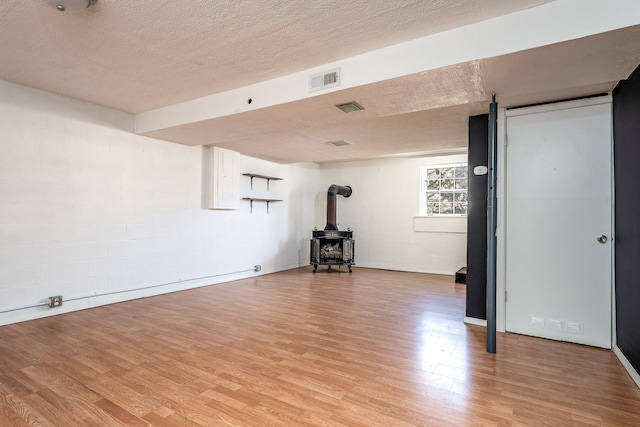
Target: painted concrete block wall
[382,210]
[97,214]
[275,237]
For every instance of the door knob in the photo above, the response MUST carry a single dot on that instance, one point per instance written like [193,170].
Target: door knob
[602,239]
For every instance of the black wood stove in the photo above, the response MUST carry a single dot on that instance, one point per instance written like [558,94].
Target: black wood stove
[332,246]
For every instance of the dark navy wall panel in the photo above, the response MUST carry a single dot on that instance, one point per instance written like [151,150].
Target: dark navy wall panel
[477,219]
[626,134]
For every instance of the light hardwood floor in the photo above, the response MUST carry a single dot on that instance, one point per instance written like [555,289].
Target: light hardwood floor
[371,348]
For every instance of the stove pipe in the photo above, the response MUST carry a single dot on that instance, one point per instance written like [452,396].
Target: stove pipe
[333,191]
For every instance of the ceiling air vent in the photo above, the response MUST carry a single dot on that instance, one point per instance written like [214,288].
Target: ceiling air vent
[350,107]
[324,80]
[340,143]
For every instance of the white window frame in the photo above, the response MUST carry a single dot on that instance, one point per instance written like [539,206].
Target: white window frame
[423,189]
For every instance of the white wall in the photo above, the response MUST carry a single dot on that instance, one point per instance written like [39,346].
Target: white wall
[88,208]
[97,214]
[382,210]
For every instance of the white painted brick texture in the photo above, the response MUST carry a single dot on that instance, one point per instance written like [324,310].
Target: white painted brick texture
[88,208]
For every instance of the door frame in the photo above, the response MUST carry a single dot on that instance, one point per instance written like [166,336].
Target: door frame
[501,266]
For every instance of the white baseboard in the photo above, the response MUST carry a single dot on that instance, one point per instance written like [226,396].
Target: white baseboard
[475,321]
[627,365]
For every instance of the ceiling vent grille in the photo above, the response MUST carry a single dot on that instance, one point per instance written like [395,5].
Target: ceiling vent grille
[340,143]
[324,80]
[350,107]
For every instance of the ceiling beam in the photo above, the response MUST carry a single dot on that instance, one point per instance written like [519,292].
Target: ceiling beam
[549,23]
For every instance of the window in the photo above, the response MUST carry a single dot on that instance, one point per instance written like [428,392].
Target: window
[444,189]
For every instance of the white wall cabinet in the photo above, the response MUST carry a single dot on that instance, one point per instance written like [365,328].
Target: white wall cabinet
[224,175]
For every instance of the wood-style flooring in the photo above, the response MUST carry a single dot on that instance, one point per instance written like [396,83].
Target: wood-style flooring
[370,348]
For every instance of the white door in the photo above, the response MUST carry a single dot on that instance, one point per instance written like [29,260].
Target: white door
[558,222]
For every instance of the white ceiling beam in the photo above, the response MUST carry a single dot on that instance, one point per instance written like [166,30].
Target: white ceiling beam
[554,22]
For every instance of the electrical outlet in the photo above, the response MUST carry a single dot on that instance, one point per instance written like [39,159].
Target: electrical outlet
[55,301]
[257,268]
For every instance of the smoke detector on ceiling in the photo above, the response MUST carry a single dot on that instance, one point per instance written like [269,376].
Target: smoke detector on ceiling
[70,6]
[349,107]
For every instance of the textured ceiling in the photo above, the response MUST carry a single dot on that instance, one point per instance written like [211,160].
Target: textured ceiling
[137,56]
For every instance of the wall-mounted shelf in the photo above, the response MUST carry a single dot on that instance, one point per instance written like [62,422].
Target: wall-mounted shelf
[257,199]
[260,199]
[268,178]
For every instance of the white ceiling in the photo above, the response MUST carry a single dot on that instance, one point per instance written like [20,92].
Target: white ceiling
[143,55]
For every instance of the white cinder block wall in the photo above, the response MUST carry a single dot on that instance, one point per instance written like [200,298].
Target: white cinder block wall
[382,210]
[87,208]
[97,214]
